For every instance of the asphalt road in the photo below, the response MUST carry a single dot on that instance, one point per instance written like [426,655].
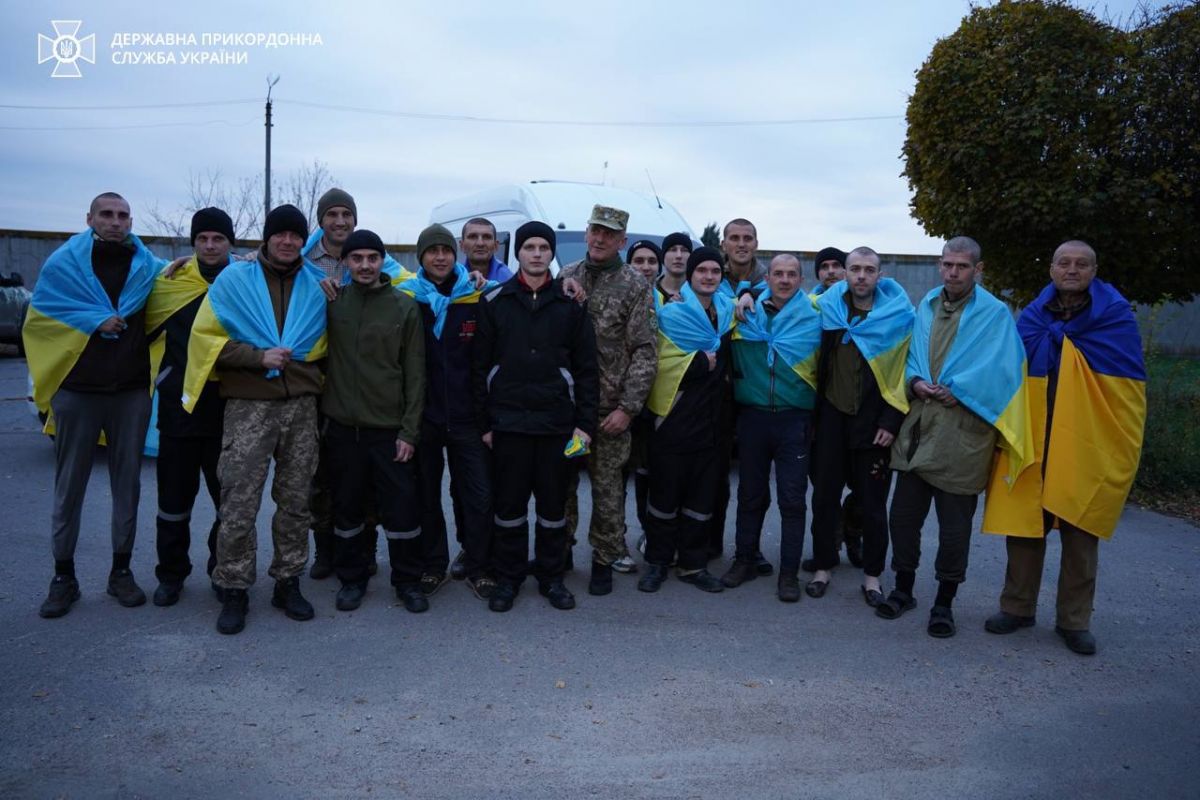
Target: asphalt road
[679,694]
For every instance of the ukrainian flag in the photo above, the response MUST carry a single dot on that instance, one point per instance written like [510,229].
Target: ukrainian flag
[69,304]
[985,369]
[882,336]
[793,334]
[683,331]
[238,307]
[391,267]
[1086,468]
[426,291]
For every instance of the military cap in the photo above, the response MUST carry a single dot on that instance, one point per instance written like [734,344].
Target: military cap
[608,217]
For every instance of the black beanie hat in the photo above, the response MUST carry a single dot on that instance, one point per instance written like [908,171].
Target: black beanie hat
[434,235]
[334,198]
[641,244]
[702,254]
[677,238]
[535,230]
[363,239]
[212,220]
[285,218]
[825,255]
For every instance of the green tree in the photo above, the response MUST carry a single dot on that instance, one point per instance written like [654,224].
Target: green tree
[711,236]
[1035,122]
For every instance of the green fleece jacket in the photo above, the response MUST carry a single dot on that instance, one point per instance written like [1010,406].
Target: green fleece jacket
[376,367]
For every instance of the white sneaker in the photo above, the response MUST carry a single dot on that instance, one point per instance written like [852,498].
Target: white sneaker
[625,564]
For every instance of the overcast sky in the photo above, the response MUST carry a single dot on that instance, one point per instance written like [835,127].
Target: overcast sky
[806,185]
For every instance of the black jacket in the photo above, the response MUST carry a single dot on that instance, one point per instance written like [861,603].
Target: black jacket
[873,411]
[206,419]
[535,369]
[448,402]
[693,422]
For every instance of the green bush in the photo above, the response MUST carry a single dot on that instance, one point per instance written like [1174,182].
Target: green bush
[1171,452]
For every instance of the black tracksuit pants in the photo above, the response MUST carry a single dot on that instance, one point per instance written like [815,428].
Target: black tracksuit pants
[362,460]
[181,462]
[955,514]
[523,465]
[472,497]
[679,507]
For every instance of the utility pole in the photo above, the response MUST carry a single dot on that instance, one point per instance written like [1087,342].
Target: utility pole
[267,172]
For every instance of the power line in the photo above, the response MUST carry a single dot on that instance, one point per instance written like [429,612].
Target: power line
[199,104]
[144,125]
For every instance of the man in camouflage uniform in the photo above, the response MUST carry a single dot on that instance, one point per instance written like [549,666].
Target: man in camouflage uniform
[622,311]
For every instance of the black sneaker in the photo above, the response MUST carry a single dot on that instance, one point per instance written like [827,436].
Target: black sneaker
[167,594]
[234,604]
[703,580]
[762,565]
[739,572]
[122,586]
[413,597]
[430,583]
[458,570]
[652,581]
[483,586]
[64,590]
[1003,623]
[287,596]
[788,588]
[322,567]
[502,597]
[350,596]
[602,579]
[1082,642]
[558,594]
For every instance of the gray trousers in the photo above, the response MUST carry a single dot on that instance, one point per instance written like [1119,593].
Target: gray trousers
[79,418]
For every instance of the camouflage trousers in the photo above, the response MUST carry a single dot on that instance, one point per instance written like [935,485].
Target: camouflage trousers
[605,466]
[255,432]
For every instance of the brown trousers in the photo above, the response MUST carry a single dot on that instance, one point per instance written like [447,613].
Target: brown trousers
[1076,576]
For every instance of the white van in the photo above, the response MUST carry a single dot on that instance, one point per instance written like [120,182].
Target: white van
[564,206]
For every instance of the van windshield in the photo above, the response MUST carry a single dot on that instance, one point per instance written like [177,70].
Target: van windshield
[571,248]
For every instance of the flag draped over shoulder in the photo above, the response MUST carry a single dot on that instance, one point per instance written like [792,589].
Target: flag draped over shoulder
[1084,473]
[882,336]
[793,334]
[727,290]
[391,267]
[426,291]
[69,304]
[683,331]
[238,307]
[985,369]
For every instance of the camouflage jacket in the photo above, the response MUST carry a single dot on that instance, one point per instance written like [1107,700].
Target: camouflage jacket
[622,312]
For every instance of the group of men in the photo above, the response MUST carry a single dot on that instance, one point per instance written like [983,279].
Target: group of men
[361,381]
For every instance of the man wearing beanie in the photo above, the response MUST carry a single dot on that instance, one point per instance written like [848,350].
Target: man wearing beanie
[645,257]
[449,304]
[189,445]
[676,248]
[372,407]
[271,381]
[535,389]
[829,267]
[693,370]
[621,307]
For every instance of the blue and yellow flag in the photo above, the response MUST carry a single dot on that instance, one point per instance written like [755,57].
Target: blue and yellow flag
[238,307]
[984,369]
[426,291]
[882,336]
[793,334]
[1084,474]
[69,304]
[391,267]
[684,330]
[727,290]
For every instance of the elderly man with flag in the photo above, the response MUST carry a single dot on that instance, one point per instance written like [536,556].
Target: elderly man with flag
[89,358]
[689,386]
[966,382]
[774,376]
[262,328]
[1087,400]
[866,324]
[189,445]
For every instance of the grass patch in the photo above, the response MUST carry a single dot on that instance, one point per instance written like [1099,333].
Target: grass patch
[1168,478]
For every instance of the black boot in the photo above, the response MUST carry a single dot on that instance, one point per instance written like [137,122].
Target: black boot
[653,580]
[739,572]
[64,590]
[601,582]
[788,588]
[287,597]
[234,604]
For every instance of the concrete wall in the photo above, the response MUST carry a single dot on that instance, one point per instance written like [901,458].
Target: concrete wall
[1172,328]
